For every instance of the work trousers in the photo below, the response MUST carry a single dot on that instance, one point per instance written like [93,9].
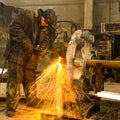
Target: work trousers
[18,74]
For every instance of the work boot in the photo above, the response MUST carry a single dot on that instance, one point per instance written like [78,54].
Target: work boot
[10,112]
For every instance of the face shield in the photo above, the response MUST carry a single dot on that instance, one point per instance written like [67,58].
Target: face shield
[48,16]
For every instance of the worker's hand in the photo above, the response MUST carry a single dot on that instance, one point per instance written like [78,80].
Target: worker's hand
[43,52]
[27,47]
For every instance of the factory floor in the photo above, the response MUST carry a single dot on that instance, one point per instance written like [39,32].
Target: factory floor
[110,109]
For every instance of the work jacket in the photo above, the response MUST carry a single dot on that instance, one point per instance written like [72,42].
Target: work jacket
[24,27]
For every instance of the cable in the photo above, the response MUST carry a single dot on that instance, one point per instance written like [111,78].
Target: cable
[1,79]
[3,109]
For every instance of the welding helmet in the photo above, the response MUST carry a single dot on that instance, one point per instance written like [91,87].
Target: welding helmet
[40,12]
[50,16]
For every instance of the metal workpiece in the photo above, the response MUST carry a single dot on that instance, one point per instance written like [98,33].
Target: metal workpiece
[112,64]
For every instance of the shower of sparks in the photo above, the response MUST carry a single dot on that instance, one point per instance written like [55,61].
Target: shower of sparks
[52,91]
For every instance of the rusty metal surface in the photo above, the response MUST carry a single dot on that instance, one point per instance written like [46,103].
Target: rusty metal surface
[113,64]
[105,63]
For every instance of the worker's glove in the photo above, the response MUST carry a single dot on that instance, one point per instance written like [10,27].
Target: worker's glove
[27,47]
[40,50]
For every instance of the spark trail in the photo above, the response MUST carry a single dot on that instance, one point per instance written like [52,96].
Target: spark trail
[54,94]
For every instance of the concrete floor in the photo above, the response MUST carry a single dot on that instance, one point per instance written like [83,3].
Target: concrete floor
[26,113]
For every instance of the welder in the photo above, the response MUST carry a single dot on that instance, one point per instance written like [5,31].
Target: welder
[31,34]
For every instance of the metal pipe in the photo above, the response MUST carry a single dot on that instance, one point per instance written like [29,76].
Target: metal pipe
[98,83]
[112,64]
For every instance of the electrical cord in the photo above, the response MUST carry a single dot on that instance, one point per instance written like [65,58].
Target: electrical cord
[4,64]
[1,110]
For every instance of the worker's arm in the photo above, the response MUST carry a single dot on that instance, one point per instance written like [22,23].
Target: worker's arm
[17,31]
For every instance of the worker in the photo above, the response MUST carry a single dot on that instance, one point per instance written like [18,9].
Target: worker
[30,35]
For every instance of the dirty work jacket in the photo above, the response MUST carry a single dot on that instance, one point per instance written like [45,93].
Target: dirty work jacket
[23,28]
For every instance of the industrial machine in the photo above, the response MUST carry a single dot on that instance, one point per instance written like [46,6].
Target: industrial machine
[83,71]
[107,47]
